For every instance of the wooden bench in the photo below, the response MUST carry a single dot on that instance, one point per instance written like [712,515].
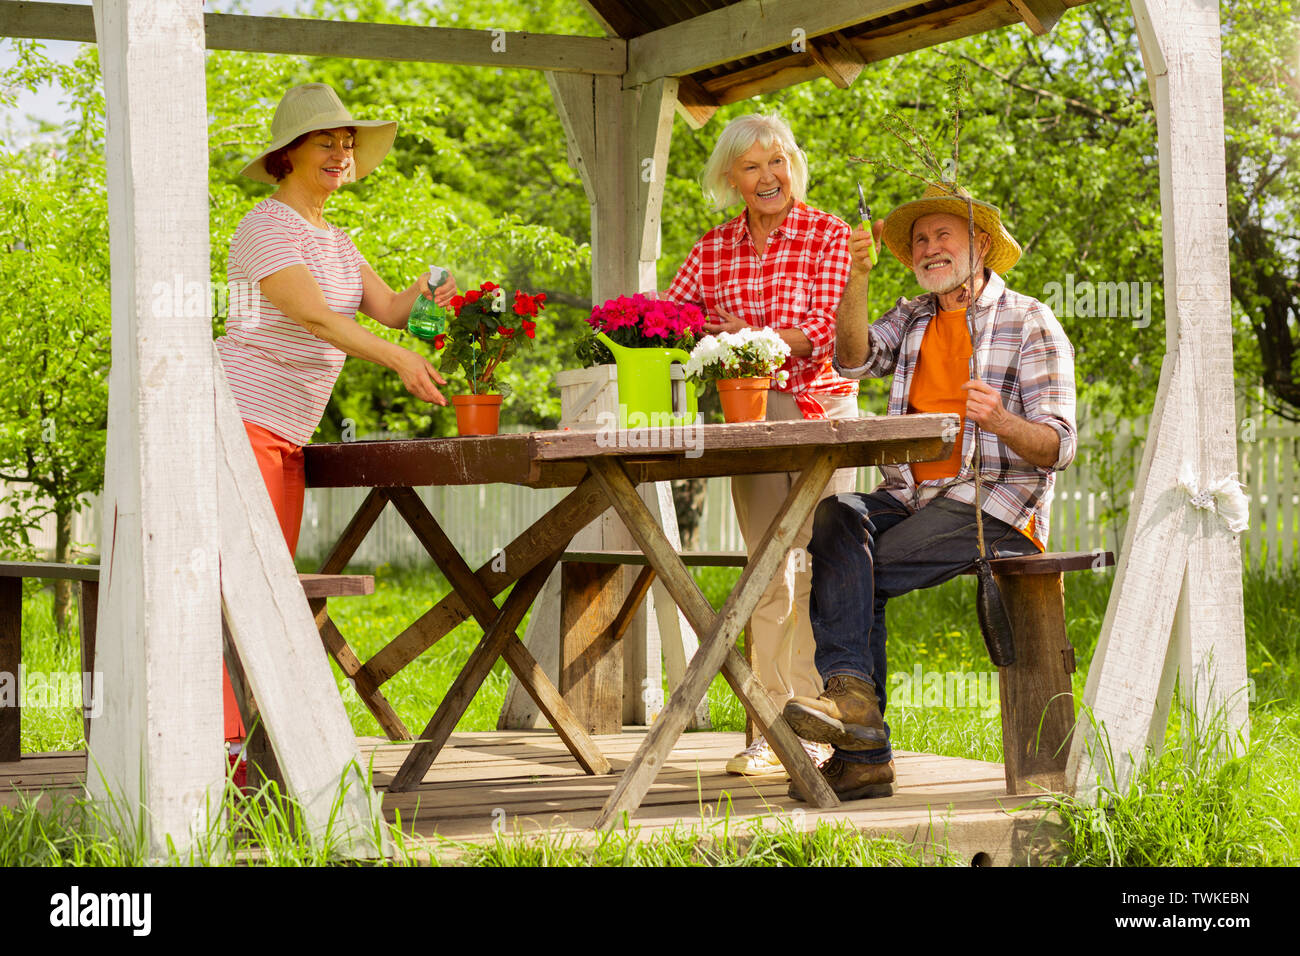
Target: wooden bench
[317,587]
[1035,693]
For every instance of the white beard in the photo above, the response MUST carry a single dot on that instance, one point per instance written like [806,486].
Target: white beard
[961,271]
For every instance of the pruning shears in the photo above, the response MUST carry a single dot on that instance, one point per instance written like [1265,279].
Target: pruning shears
[864,213]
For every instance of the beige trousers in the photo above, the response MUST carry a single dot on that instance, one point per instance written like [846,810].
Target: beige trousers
[779,628]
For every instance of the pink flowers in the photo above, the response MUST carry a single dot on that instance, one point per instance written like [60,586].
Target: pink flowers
[646,321]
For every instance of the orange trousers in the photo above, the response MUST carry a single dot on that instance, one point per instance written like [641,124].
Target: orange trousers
[281,464]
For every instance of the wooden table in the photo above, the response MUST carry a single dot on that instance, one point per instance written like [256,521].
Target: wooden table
[603,468]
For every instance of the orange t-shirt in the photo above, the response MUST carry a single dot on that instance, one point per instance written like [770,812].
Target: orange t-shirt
[942,368]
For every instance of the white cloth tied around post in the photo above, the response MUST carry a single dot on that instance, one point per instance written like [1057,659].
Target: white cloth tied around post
[1224,497]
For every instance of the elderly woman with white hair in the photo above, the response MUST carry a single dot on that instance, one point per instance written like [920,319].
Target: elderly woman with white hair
[780,265]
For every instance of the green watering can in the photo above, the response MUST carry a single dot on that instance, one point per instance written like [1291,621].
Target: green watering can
[647,394]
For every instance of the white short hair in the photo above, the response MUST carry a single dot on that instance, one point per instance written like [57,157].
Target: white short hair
[737,139]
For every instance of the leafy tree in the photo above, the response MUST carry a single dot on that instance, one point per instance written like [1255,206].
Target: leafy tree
[1261,89]
[53,312]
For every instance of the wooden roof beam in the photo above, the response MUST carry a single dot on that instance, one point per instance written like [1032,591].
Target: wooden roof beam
[1039,15]
[695,104]
[744,29]
[837,58]
[606,56]
[936,27]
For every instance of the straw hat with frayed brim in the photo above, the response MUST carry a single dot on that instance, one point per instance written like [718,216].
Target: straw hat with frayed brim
[1002,254]
[313,106]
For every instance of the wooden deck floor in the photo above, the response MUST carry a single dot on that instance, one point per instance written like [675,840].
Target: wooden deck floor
[526,782]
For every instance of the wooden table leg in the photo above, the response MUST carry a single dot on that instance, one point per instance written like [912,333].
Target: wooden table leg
[553,530]
[553,707]
[557,526]
[721,629]
[751,732]
[346,658]
[476,595]
[11,653]
[635,595]
[355,532]
[471,677]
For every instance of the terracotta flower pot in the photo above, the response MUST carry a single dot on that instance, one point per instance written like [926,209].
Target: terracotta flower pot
[743,399]
[477,414]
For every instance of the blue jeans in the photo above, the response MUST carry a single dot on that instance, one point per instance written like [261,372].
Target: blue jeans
[867,548]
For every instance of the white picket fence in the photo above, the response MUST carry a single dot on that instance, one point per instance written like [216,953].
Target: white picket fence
[484,518]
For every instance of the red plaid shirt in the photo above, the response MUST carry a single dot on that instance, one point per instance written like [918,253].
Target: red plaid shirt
[796,284]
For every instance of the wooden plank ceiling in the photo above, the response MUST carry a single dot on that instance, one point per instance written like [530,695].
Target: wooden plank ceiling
[838,55]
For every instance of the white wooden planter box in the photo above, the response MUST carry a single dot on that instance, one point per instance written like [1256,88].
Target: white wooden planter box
[587,392]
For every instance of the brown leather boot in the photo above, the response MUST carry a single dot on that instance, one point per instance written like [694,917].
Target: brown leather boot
[846,715]
[856,781]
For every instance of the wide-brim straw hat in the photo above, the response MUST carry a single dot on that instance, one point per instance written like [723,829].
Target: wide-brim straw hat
[1002,254]
[313,106]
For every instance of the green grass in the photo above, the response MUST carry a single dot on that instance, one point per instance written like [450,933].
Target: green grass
[46,651]
[719,845]
[1189,807]
[264,829]
[1192,806]
[267,830]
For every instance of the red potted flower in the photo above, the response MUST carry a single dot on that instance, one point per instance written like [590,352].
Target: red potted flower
[483,333]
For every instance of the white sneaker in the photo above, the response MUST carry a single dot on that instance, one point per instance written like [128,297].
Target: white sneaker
[755,760]
[817,753]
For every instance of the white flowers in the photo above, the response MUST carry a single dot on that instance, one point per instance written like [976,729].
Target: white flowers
[749,353]
[499,300]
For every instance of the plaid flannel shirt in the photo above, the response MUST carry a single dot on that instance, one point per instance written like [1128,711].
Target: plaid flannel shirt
[796,284]
[1022,351]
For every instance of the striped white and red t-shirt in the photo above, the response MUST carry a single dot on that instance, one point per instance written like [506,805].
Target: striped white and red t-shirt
[280,373]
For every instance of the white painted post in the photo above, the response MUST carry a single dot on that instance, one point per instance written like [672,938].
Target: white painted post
[155,757]
[1180,568]
[1209,636]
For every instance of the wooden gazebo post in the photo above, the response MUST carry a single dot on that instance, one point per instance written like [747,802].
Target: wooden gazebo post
[157,745]
[618,142]
[1176,607]
[189,532]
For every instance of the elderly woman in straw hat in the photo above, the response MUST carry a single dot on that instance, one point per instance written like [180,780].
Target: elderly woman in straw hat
[969,346]
[298,284]
[782,265]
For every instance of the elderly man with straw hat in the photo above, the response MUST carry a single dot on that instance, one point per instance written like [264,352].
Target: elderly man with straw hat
[969,346]
[298,283]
